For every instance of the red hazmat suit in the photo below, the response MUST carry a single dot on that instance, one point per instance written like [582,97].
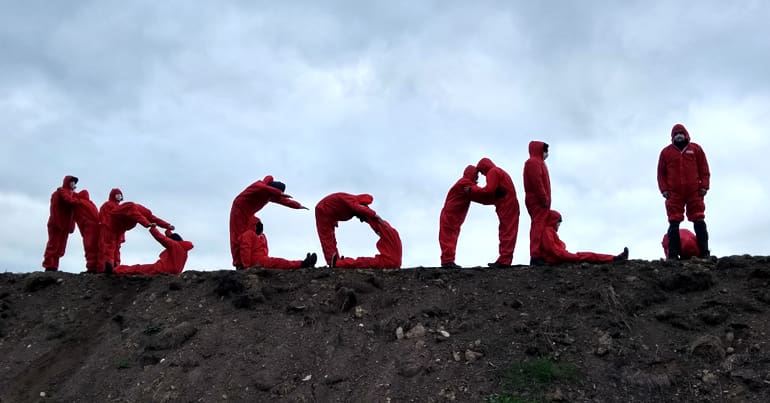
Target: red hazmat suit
[246,204]
[554,251]
[389,247]
[108,245]
[255,252]
[537,190]
[61,223]
[338,207]
[689,244]
[171,261]
[500,187]
[682,173]
[87,220]
[455,210]
[124,218]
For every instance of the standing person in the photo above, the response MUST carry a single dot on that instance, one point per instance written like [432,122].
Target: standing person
[108,244]
[554,251]
[389,247]
[61,222]
[338,207]
[683,180]
[537,190]
[248,202]
[171,260]
[689,244]
[499,186]
[87,220]
[255,251]
[453,214]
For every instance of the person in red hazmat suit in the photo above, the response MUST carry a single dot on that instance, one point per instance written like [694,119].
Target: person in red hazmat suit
[249,202]
[453,214]
[500,188]
[87,220]
[256,253]
[124,218]
[389,247]
[338,207]
[683,180]
[171,260]
[689,244]
[61,222]
[555,252]
[537,199]
[108,245]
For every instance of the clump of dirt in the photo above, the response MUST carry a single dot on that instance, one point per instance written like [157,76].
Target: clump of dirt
[631,331]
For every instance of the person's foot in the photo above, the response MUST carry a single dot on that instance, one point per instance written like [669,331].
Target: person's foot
[623,256]
[305,262]
[537,261]
[313,260]
[333,263]
[108,268]
[239,267]
[498,265]
[450,265]
[51,269]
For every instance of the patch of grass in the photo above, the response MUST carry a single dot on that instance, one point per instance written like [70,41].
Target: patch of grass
[534,377]
[122,363]
[507,398]
[538,373]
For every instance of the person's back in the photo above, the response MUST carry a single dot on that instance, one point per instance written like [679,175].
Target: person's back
[499,186]
[171,260]
[689,244]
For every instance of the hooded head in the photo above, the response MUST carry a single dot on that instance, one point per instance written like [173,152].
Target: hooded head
[67,183]
[175,237]
[365,199]
[471,173]
[484,165]
[553,220]
[83,194]
[267,179]
[116,195]
[538,149]
[278,185]
[679,135]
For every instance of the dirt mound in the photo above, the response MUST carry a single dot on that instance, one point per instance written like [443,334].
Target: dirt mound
[625,332]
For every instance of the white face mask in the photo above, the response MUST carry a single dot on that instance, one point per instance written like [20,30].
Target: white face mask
[119,197]
[73,185]
[679,137]
[545,155]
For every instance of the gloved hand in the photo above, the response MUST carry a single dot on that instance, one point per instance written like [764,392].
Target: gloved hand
[703,191]
[500,193]
[665,194]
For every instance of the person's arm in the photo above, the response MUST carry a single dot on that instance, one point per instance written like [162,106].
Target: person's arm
[489,190]
[362,211]
[162,239]
[703,170]
[287,201]
[662,174]
[160,222]
[552,245]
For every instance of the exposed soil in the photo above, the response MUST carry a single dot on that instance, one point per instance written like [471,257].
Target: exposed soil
[635,331]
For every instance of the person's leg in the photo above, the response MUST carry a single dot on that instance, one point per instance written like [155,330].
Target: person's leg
[696,212]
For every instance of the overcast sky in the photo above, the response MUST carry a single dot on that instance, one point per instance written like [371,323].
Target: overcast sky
[184,104]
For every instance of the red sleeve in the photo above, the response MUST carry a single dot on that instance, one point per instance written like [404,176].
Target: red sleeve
[287,201]
[662,174]
[703,169]
[68,196]
[163,240]
[533,175]
[363,211]
[161,223]
[488,191]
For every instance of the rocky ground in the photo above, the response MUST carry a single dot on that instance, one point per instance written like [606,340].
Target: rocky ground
[634,331]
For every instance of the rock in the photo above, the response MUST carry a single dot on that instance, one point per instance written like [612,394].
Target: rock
[729,337]
[360,312]
[37,282]
[688,281]
[456,355]
[409,368]
[265,380]
[417,331]
[730,350]
[555,396]
[447,394]
[345,299]
[708,346]
[710,378]
[471,356]
[172,338]
[604,344]
[399,333]
[444,333]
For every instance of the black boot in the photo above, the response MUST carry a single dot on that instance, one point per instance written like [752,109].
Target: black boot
[674,243]
[702,237]
[622,256]
[306,262]
[108,267]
